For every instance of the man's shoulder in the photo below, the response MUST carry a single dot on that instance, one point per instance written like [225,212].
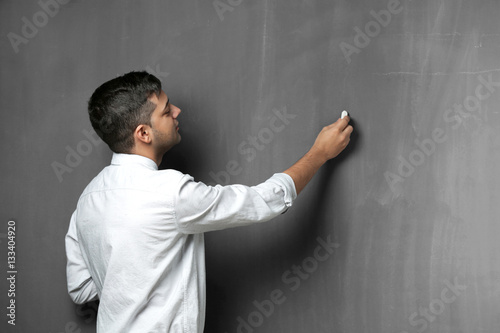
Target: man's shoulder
[169,175]
[113,178]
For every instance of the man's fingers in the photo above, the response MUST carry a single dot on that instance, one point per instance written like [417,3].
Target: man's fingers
[345,121]
[342,123]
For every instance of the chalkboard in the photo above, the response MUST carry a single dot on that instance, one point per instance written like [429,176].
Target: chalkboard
[397,234]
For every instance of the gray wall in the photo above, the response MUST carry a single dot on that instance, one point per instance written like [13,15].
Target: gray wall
[412,206]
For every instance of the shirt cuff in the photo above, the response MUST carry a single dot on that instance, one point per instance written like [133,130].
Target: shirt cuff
[285,182]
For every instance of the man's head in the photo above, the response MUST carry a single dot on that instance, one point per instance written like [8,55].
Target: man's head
[131,111]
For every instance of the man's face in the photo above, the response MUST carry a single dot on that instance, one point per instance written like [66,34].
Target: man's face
[164,123]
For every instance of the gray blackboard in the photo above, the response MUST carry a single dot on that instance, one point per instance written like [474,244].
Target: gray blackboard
[398,234]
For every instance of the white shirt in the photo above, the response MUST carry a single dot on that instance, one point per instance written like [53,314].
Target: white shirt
[135,241]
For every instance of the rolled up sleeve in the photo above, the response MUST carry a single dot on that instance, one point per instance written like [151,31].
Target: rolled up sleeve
[201,208]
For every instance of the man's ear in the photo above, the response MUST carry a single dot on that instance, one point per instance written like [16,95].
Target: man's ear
[143,133]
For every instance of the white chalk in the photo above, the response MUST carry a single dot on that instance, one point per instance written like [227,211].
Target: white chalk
[344,114]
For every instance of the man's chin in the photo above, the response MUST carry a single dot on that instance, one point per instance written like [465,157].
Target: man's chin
[172,145]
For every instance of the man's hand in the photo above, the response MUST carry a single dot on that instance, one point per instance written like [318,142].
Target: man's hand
[332,139]
[329,143]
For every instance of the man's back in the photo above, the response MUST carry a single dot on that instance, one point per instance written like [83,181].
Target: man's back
[125,223]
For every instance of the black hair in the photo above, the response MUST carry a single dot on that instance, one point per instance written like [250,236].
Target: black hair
[118,106]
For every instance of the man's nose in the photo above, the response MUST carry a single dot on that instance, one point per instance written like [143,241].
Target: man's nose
[177,111]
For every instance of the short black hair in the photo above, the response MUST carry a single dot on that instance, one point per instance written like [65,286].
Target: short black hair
[118,106]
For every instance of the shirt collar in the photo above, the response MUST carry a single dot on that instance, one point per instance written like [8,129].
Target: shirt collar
[125,159]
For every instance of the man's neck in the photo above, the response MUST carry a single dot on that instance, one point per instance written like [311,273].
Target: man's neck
[149,154]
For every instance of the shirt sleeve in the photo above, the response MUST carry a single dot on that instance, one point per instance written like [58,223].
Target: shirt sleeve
[81,287]
[201,208]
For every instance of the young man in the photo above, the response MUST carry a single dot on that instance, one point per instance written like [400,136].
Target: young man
[135,240]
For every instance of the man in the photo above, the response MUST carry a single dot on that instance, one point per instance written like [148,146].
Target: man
[135,240]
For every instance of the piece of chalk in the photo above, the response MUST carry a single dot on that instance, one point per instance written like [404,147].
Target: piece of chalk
[344,114]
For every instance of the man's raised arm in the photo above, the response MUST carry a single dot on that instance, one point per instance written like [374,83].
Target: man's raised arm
[330,142]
